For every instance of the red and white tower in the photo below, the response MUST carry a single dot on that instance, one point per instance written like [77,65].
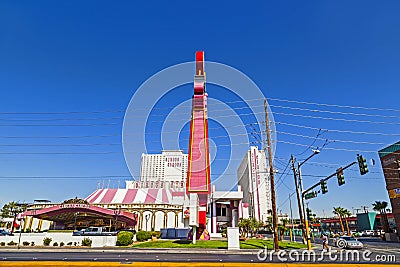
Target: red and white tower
[198,179]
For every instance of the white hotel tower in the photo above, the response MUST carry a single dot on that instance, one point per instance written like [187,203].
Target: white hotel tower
[170,165]
[255,182]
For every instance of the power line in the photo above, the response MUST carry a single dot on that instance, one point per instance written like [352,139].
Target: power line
[333,140]
[334,130]
[57,125]
[329,148]
[335,112]
[333,105]
[336,119]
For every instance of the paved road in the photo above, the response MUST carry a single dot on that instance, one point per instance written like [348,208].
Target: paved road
[374,251]
[214,256]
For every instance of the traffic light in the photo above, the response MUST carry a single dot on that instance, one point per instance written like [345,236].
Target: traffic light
[309,214]
[362,164]
[324,187]
[340,176]
[310,195]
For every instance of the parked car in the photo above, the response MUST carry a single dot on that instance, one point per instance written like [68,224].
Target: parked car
[355,233]
[367,233]
[5,232]
[347,242]
[379,232]
[93,231]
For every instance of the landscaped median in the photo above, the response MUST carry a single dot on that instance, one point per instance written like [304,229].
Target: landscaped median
[217,244]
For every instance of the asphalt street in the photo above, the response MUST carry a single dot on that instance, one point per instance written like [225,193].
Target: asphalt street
[374,251]
[336,256]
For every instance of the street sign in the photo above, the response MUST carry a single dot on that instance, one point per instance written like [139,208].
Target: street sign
[310,195]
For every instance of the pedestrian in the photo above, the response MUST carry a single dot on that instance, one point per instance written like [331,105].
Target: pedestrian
[325,244]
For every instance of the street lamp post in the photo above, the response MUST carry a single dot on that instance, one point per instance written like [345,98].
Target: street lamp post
[117,212]
[147,217]
[20,231]
[75,215]
[315,152]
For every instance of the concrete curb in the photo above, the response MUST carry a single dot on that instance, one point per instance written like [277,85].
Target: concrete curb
[152,250]
[174,264]
[136,250]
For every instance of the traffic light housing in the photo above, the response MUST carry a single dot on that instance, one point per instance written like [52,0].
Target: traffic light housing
[324,187]
[362,164]
[340,176]
[309,214]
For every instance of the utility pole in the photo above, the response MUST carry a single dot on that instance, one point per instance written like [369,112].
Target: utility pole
[299,202]
[293,236]
[271,172]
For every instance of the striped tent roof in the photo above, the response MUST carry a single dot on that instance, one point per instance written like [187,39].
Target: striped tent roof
[136,196]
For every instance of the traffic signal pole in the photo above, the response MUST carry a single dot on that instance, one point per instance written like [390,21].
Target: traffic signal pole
[326,179]
[311,188]
[307,232]
[299,199]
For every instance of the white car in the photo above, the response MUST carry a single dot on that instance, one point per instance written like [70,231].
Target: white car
[347,242]
[367,233]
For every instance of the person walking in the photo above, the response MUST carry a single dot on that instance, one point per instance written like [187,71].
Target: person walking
[325,244]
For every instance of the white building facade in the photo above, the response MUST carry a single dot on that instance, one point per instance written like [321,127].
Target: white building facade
[170,165]
[254,179]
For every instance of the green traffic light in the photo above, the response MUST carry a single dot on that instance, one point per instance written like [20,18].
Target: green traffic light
[362,164]
[324,187]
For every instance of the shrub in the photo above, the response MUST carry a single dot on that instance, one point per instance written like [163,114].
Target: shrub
[46,241]
[32,243]
[124,238]
[142,236]
[2,244]
[25,243]
[55,244]
[69,244]
[86,242]
[61,244]
[156,234]
[11,243]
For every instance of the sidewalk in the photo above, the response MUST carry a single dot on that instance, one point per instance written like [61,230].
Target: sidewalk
[316,249]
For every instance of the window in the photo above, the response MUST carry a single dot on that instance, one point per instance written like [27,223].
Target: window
[221,210]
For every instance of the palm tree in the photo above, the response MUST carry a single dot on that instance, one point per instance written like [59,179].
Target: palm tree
[11,210]
[282,227]
[339,212]
[347,213]
[381,207]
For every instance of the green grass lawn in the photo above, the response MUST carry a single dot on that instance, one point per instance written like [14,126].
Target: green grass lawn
[216,244]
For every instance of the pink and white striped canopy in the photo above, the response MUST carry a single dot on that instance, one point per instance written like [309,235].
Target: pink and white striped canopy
[136,196]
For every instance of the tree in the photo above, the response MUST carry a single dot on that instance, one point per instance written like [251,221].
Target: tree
[244,227]
[339,211]
[282,228]
[381,207]
[255,226]
[11,210]
[347,213]
[269,223]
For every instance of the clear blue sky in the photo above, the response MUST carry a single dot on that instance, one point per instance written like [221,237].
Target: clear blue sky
[63,56]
